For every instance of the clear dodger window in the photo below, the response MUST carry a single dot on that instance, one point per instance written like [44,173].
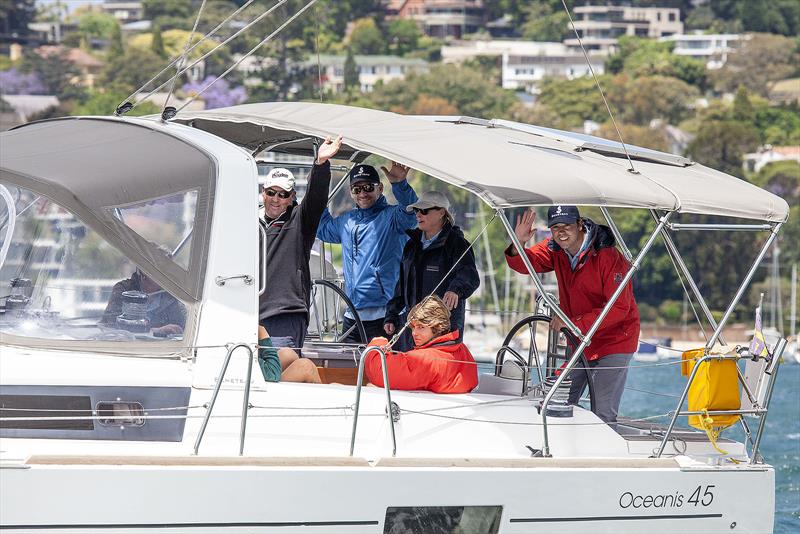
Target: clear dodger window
[60,280]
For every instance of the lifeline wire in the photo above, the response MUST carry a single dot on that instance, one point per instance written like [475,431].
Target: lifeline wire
[597,82]
[183,57]
[176,59]
[251,52]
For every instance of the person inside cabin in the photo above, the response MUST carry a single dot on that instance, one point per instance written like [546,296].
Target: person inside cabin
[283,364]
[589,269]
[291,229]
[165,314]
[372,236]
[439,361]
[436,256]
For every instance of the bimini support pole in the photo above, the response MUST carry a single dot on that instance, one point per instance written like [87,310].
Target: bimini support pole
[536,282]
[595,326]
[617,234]
[743,286]
[681,267]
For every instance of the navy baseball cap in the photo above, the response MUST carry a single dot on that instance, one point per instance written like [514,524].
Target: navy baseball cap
[562,215]
[364,173]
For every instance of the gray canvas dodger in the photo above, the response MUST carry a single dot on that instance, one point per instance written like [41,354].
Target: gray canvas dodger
[70,160]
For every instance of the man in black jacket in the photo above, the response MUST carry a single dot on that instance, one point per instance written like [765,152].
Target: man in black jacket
[291,229]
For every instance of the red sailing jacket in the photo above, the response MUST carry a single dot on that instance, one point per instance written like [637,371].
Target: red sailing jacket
[443,365]
[585,291]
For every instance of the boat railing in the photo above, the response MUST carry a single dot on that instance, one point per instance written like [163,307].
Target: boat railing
[218,385]
[360,384]
[769,374]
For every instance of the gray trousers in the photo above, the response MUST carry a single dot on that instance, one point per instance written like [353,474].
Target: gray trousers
[608,378]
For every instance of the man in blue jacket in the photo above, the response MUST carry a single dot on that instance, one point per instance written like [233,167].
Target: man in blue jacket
[372,236]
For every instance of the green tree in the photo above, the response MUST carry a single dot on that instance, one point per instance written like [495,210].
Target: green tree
[721,145]
[647,57]
[154,9]
[115,47]
[131,70]
[640,100]
[544,23]
[57,73]
[15,16]
[351,81]
[777,125]
[157,43]
[742,108]
[769,16]
[574,100]
[635,135]
[761,60]
[467,90]
[93,25]
[366,37]
[403,35]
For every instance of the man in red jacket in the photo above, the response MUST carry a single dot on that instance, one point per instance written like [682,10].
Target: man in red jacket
[589,268]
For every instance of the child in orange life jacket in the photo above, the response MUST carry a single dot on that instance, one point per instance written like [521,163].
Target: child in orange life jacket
[438,362]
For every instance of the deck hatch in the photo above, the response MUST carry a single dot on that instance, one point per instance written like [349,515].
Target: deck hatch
[26,407]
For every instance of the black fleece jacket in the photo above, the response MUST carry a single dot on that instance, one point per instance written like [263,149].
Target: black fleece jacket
[289,241]
[421,270]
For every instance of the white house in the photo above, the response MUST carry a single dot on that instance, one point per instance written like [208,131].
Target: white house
[713,49]
[525,63]
[371,70]
[600,26]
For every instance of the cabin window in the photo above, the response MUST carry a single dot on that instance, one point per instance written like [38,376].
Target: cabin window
[443,519]
[62,281]
[167,222]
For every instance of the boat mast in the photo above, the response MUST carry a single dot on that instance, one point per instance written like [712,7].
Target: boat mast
[793,313]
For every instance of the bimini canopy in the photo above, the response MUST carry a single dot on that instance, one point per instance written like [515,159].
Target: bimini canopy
[507,164]
[512,169]
[98,168]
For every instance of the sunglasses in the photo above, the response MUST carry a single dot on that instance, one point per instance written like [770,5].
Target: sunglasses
[424,211]
[281,194]
[367,188]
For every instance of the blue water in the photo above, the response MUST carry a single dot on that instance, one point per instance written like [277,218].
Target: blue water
[780,445]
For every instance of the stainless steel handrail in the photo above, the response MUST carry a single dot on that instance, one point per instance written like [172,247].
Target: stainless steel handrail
[262,284]
[386,388]
[761,412]
[217,387]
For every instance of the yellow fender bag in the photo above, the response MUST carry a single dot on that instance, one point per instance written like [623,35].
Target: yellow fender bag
[715,387]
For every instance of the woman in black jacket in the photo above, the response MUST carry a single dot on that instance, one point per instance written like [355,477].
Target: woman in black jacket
[432,251]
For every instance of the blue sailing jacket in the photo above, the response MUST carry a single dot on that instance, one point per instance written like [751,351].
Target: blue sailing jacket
[372,245]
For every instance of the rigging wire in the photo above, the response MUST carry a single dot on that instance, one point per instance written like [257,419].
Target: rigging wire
[599,88]
[127,106]
[319,62]
[405,326]
[120,108]
[179,64]
[251,52]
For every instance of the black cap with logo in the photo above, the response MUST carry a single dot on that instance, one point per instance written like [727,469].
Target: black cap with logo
[562,215]
[364,173]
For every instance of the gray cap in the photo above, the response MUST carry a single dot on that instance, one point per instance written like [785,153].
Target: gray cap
[430,199]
